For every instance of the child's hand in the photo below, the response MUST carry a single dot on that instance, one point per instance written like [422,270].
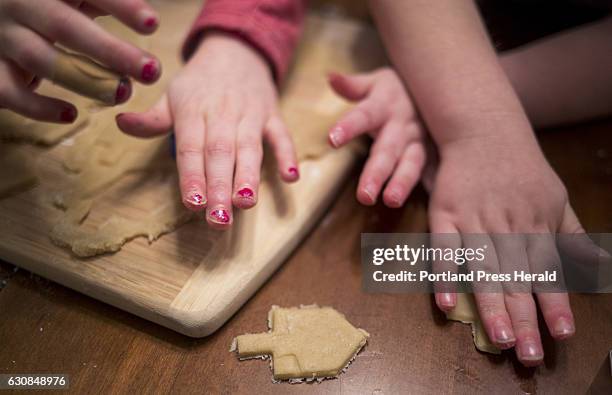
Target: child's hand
[386,113]
[221,104]
[28,29]
[499,184]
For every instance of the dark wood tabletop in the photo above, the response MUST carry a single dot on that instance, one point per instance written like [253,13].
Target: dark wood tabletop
[45,327]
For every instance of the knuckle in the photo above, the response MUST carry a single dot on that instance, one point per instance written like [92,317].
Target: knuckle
[250,144]
[26,55]
[188,150]
[220,147]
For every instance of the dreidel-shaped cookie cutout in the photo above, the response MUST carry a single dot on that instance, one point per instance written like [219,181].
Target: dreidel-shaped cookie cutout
[309,342]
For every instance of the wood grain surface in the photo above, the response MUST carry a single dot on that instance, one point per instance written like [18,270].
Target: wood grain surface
[49,328]
[192,280]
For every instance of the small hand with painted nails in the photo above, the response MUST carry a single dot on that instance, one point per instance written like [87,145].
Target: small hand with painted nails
[385,112]
[28,30]
[222,105]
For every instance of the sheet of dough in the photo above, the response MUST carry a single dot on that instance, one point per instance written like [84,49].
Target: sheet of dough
[309,342]
[466,311]
[17,173]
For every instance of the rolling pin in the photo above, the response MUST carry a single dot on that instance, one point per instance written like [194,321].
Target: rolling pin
[85,77]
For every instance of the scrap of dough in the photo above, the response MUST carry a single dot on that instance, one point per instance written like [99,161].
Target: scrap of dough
[465,311]
[111,236]
[80,74]
[308,342]
[18,172]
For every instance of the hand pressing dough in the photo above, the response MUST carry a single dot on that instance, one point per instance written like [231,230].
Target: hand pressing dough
[111,236]
[18,173]
[466,311]
[305,343]
[82,75]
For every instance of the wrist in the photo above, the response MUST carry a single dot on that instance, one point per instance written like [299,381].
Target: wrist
[218,44]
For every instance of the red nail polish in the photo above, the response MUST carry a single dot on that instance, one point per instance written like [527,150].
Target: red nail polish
[294,171]
[124,91]
[149,71]
[220,216]
[196,198]
[150,22]
[246,193]
[68,114]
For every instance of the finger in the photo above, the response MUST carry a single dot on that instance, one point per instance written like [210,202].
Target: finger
[444,234]
[284,150]
[219,162]
[190,132]
[58,22]
[154,122]
[41,58]
[552,297]
[488,293]
[249,155]
[22,100]
[137,14]
[406,175]
[512,253]
[384,155]
[368,115]
[352,87]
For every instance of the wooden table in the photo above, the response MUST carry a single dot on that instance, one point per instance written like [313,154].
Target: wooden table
[45,327]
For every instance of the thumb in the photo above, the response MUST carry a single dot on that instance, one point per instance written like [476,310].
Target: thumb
[154,122]
[353,87]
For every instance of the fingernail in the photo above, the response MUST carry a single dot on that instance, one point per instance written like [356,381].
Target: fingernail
[219,216]
[334,136]
[370,194]
[530,351]
[446,300]
[196,199]
[150,22]
[564,328]
[68,114]
[294,172]
[150,71]
[503,335]
[124,91]
[246,193]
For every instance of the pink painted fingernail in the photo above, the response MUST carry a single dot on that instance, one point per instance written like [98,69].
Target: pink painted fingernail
[150,71]
[294,172]
[246,193]
[334,136]
[196,199]
[503,335]
[564,328]
[219,216]
[150,22]
[68,115]
[446,300]
[124,91]
[530,351]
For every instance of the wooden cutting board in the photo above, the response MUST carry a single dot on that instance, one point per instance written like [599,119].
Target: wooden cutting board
[194,279]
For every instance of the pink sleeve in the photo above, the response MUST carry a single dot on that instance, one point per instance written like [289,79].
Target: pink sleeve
[271,26]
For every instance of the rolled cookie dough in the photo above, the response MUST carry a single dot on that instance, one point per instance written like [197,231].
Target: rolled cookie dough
[82,75]
[17,171]
[16,127]
[308,342]
[111,236]
[465,311]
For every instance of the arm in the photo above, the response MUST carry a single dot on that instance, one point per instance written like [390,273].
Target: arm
[441,50]
[492,177]
[565,78]
[270,26]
